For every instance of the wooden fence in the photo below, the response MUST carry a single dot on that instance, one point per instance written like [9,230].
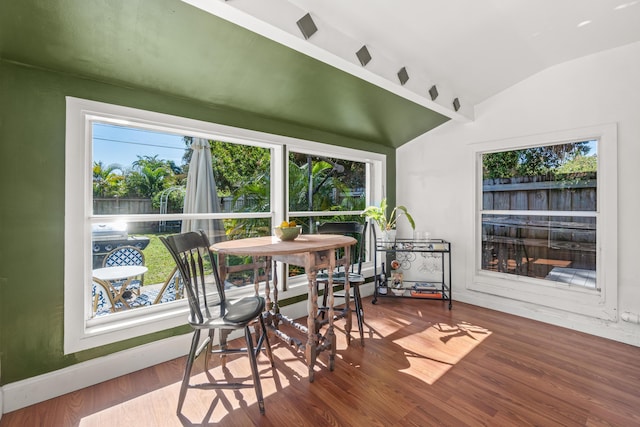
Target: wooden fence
[533,245]
[576,193]
[126,206]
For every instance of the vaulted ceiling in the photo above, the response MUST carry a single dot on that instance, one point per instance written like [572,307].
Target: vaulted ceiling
[249,55]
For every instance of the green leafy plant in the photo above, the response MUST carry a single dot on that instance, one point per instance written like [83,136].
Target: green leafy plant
[379,215]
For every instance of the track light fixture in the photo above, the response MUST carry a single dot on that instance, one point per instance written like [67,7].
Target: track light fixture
[307,26]
[456,104]
[433,92]
[403,75]
[363,55]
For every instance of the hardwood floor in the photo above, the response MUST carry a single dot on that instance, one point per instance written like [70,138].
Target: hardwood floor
[422,365]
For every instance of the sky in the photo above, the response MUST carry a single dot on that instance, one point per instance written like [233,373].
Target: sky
[114,144]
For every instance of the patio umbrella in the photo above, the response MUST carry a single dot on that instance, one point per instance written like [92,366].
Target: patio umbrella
[201,195]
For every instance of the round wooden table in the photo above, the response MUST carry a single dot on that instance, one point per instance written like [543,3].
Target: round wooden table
[314,252]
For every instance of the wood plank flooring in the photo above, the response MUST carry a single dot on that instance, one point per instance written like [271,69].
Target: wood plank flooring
[422,365]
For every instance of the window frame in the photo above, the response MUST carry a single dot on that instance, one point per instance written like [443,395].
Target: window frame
[602,302]
[81,333]
[375,170]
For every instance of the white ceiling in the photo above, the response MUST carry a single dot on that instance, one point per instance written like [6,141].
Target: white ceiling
[470,49]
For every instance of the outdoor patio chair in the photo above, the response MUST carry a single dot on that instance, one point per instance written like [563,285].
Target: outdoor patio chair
[103,300]
[357,231]
[171,290]
[210,310]
[126,255]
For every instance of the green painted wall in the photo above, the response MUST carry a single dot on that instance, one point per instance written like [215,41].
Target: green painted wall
[32,149]
[171,47]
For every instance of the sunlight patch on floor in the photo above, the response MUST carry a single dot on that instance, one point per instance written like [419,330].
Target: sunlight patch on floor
[430,354]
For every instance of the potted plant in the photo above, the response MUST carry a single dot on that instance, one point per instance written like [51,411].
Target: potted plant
[387,224]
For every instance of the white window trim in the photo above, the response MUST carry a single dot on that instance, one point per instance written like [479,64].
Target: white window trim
[81,334]
[601,303]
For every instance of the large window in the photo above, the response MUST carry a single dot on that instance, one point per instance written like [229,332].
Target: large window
[324,189]
[137,171]
[541,220]
[539,209]
[133,176]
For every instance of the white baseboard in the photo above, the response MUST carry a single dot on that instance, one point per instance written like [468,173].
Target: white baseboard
[27,392]
[616,331]
[20,394]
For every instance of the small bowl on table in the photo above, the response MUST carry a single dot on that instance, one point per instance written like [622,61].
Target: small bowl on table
[287,233]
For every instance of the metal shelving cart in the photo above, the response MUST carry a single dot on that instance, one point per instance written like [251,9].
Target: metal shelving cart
[400,255]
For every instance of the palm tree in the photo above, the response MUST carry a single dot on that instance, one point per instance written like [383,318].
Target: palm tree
[106,182]
[149,175]
[255,197]
[328,190]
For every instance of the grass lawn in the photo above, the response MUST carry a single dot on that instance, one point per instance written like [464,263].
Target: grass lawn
[158,259]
